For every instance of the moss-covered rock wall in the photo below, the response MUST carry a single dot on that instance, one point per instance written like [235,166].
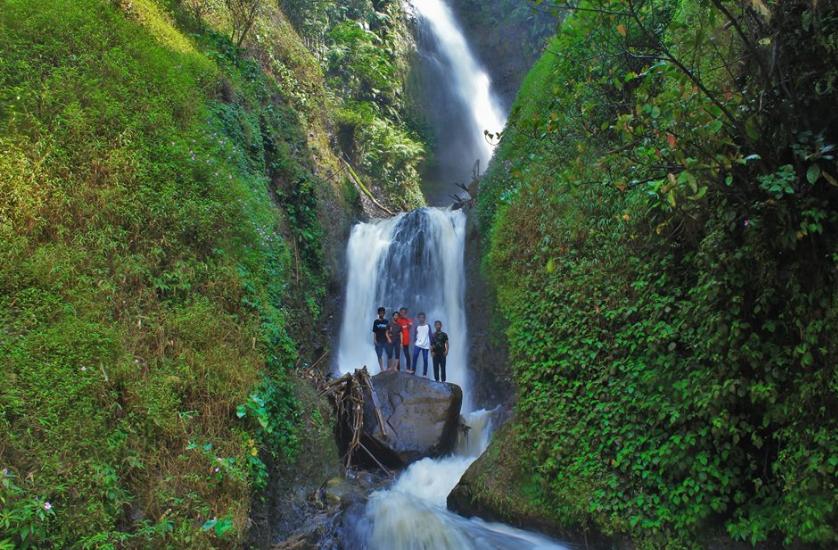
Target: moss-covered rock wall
[174,200]
[660,220]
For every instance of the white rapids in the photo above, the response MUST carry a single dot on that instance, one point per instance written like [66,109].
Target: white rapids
[411,514]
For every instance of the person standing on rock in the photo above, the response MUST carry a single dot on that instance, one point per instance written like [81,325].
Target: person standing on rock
[395,338]
[422,344]
[405,323]
[381,337]
[439,351]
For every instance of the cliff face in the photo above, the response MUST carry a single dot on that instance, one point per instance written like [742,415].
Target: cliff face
[364,50]
[659,284]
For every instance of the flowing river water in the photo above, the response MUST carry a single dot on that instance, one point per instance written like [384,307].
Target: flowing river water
[415,260]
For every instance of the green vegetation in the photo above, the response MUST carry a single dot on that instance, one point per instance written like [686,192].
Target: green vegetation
[167,206]
[365,47]
[661,221]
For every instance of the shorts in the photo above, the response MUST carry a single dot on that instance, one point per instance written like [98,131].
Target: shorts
[393,350]
[381,349]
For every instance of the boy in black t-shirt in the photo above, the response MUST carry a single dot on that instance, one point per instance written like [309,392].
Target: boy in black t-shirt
[439,350]
[381,337]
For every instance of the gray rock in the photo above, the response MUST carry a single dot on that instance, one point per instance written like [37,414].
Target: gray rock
[420,418]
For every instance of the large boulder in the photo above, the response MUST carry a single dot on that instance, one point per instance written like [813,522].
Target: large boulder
[420,418]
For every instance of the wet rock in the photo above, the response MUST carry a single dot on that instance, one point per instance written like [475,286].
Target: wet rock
[318,533]
[287,506]
[420,418]
[341,492]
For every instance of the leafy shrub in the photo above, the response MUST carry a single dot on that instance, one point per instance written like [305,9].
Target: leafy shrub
[24,519]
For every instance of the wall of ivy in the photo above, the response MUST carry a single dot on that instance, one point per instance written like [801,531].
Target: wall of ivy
[661,222]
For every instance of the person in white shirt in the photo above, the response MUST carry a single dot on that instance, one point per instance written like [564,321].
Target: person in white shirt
[421,344]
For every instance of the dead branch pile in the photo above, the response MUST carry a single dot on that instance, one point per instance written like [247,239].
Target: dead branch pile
[347,395]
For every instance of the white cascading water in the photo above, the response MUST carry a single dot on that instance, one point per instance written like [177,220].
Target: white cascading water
[413,260]
[456,94]
[416,260]
[469,78]
[412,514]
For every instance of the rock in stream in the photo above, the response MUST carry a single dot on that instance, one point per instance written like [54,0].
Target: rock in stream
[421,418]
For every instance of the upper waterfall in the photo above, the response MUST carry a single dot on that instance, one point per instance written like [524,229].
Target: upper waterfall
[458,97]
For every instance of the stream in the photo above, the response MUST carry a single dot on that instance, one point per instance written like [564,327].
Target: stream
[411,513]
[416,260]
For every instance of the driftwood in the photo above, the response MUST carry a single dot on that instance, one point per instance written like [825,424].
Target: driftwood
[347,395]
[470,189]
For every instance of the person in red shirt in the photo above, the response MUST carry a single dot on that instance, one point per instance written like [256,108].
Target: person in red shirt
[405,323]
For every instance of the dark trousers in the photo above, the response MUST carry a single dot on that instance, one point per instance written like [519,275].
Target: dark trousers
[439,367]
[416,351]
[406,356]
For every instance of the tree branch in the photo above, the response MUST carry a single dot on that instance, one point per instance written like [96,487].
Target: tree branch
[740,31]
[604,11]
[668,56]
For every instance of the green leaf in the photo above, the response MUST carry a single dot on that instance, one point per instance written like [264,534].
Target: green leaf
[223,526]
[241,412]
[813,174]
[689,179]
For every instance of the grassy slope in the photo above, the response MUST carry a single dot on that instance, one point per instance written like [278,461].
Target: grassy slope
[672,337]
[161,244]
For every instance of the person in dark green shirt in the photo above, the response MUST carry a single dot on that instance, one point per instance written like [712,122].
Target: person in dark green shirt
[439,351]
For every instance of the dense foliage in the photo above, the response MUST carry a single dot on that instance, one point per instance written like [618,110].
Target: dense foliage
[161,252]
[662,226]
[365,47]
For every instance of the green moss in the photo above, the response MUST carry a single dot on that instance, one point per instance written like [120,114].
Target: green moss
[670,325]
[365,50]
[160,213]
[498,487]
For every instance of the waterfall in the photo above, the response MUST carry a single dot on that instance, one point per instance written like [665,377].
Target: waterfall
[457,96]
[415,260]
[412,260]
